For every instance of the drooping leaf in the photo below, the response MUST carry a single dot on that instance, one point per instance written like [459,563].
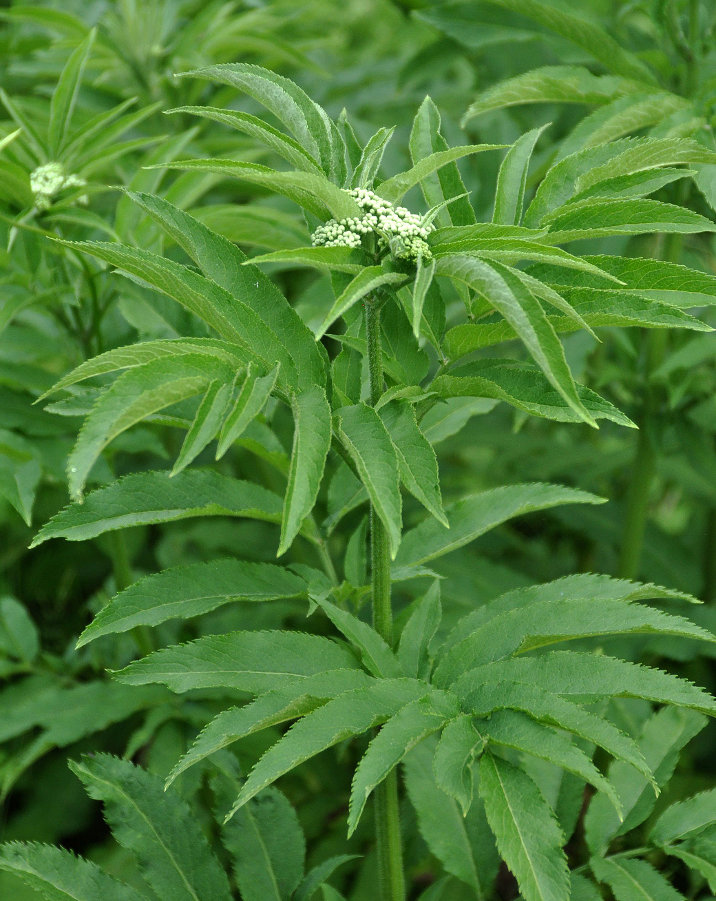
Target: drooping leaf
[368,280]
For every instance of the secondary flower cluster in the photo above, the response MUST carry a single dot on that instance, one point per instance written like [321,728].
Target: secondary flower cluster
[401,232]
[48,180]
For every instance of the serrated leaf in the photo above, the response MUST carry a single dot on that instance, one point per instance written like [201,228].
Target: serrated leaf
[252,662]
[366,439]
[418,632]
[512,179]
[311,443]
[366,171]
[19,637]
[377,657]
[409,726]
[506,293]
[186,591]
[633,880]
[368,280]
[318,875]
[352,713]
[528,836]
[64,96]
[699,855]
[684,818]
[160,828]
[206,424]
[459,744]
[474,515]
[59,875]
[423,279]
[250,401]
[272,708]
[416,459]
[152,497]
[332,259]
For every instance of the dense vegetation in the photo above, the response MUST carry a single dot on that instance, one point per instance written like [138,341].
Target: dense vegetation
[357,450]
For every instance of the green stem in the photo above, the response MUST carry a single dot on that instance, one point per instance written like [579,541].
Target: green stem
[387,812]
[123,578]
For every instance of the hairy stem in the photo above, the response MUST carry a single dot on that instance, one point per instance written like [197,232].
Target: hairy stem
[387,813]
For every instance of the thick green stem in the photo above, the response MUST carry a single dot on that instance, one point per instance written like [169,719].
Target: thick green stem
[387,812]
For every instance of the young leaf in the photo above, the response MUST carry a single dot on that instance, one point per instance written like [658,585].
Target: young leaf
[331,259]
[316,877]
[368,280]
[159,828]
[409,726]
[59,875]
[366,439]
[418,632]
[366,171]
[633,880]
[512,179]
[151,497]
[685,818]
[311,443]
[459,744]
[423,279]
[206,424]
[252,662]
[528,836]
[377,657]
[186,591]
[252,398]
[65,94]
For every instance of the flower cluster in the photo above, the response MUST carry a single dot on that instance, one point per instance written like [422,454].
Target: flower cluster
[401,232]
[48,180]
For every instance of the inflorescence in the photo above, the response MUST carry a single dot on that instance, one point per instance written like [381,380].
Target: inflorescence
[48,180]
[399,231]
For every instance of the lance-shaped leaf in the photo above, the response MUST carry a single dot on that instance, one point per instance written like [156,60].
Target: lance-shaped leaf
[206,424]
[377,657]
[316,877]
[508,294]
[416,458]
[59,875]
[634,880]
[522,386]
[460,743]
[528,835]
[299,697]
[225,264]
[551,84]
[684,818]
[368,280]
[513,729]
[252,397]
[474,515]
[418,632]
[367,168]
[152,497]
[409,726]
[136,394]
[512,179]
[64,97]
[186,591]
[311,443]
[159,828]
[329,259]
[254,225]
[445,184]
[352,713]
[393,189]
[698,854]
[423,279]
[362,433]
[275,140]
[245,661]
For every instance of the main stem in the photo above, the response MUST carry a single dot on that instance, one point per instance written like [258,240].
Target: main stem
[387,812]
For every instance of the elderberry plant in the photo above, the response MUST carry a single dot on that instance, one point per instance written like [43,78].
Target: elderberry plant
[489,722]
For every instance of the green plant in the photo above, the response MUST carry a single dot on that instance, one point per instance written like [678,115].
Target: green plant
[457,704]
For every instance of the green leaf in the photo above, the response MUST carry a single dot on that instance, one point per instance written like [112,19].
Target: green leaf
[407,728]
[418,632]
[463,844]
[366,171]
[330,259]
[311,443]
[416,459]
[684,818]
[362,433]
[64,97]
[251,399]
[136,394]
[366,282]
[351,713]
[519,384]
[318,875]
[393,189]
[252,662]
[423,279]
[513,300]
[377,657]
[186,591]
[254,225]
[152,497]
[159,828]
[583,889]
[633,880]
[446,183]
[584,34]
[19,637]
[528,835]
[460,743]
[551,84]
[512,179]
[274,139]
[272,708]
[206,424]
[699,855]
[662,738]
[59,875]
[512,729]
[478,513]
[267,847]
